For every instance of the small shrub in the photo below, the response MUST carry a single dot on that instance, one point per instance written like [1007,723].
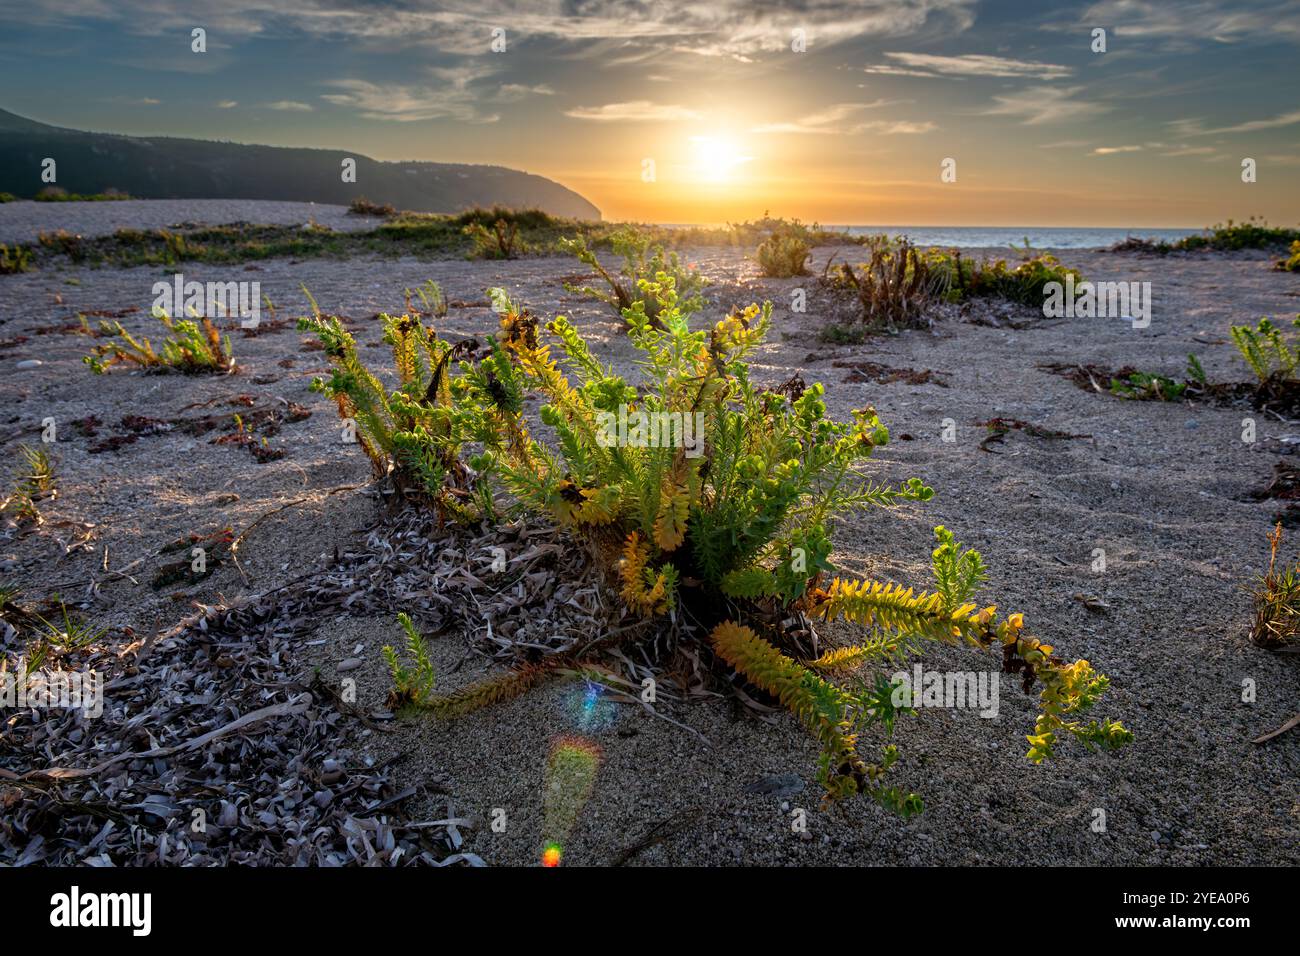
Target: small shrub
[1277,602]
[501,242]
[783,256]
[7,197]
[1267,351]
[732,531]
[193,348]
[1254,233]
[415,434]
[643,261]
[14,259]
[361,206]
[894,288]
[71,245]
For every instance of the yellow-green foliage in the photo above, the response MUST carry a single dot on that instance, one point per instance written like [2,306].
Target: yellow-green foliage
[1291,264]
[412,684]
[417,431]
[1277,601]
[734,513]
[192,348]
[643,261]
[1267,352]
[14,259]
[783,256]
[33,482]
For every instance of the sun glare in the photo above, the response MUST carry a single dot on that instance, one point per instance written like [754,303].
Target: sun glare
[715,158]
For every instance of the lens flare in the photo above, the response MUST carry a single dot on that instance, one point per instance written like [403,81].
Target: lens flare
[570,777]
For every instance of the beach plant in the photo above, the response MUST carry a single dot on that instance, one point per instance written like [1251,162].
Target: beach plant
[33,483]
[361,206]
[1291,264]
[1147,386]
[1276,597]
[14,259]
[193,348]
[783,256]
[415,434]
[895,286]
[7,197]
[1266,350]
[714,502]
[500,242]
[413,682]
[643,261]
[966,278]
[1254,233]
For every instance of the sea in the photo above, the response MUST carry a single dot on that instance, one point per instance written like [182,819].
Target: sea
[1039,237]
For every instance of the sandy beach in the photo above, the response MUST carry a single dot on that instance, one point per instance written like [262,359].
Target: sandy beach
[1165,489]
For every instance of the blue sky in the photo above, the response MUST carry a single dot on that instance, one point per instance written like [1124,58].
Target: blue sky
[854,128]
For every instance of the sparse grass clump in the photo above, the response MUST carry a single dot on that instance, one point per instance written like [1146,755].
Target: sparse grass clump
[783,256]
[1254,233]
[7,197]
[361,206]
[719,524]
[643,261]
[1277,602]
[33,483]
[193,348]
[1147,386]
[14,259]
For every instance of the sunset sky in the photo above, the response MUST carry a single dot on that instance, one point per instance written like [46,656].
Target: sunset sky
[1043,130]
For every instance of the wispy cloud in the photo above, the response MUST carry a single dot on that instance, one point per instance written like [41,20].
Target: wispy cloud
[969,64]
[1035,105]
[227,104]
[290,106]
[1217,21]
[1111,150]
[407,104]
[512,92]
[823,122]
[635,111]
[1196,127]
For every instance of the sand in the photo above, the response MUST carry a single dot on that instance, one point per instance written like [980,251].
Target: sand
[1162,488]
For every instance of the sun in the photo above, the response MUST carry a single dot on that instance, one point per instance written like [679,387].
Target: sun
[715,158]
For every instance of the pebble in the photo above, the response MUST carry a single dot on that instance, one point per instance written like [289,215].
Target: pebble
[30,363]
[351,664]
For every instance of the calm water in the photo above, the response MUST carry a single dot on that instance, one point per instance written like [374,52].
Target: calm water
[1056,237]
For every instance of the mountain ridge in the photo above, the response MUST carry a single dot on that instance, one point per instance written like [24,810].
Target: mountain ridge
[170,167]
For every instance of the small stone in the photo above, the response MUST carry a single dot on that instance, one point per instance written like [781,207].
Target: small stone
[351,664]
[29,363]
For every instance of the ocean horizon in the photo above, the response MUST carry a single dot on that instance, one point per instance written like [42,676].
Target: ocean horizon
[1040,237]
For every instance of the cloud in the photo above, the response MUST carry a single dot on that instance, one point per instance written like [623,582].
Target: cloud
[1191,151]
[1111,150]
[512,92]
[827,121]
[1221,21]
[290,106]
[227,104]
[636,111]
[1044,104]
[969,64]
[1195,127]
[408,104]
[735,28]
